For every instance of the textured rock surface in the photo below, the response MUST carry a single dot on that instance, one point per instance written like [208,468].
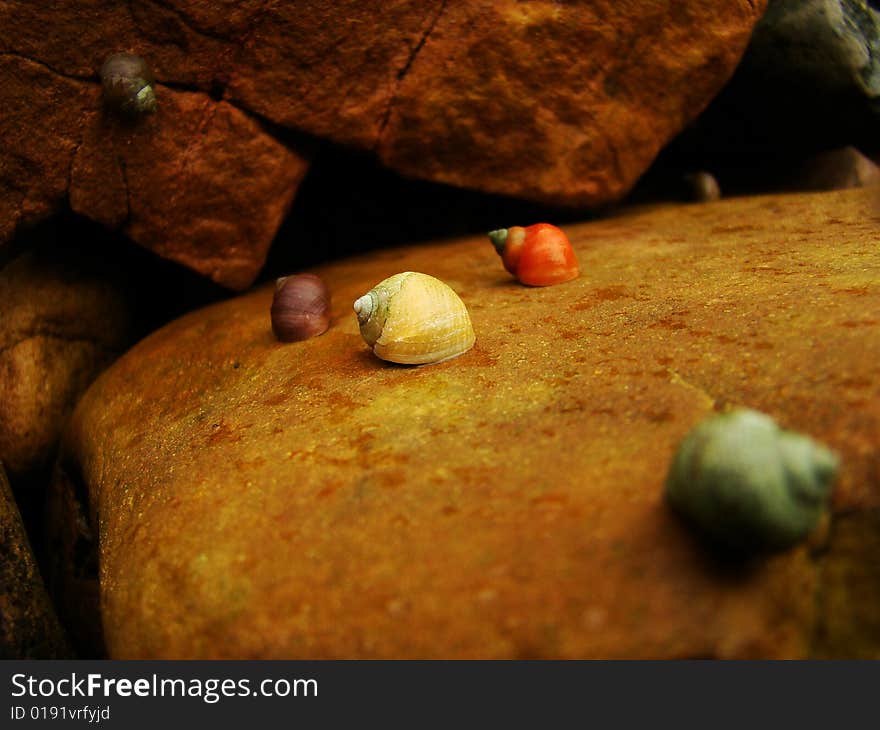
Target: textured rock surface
[850,625]
[563,103]
[63,317]
[28,626]
[254,499]
[199,182]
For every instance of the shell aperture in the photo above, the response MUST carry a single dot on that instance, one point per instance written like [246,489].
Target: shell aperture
[414,319]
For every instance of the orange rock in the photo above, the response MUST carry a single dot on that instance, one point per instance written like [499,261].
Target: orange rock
[850,621]
[199,182]
[257,499]
[561,103]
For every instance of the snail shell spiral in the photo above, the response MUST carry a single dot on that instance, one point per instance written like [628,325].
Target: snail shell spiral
[749,485]
[414,319]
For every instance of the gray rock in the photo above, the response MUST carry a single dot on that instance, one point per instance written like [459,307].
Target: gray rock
[808,83]
[829,46]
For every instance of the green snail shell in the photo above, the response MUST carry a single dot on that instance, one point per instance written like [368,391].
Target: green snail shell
[749,485]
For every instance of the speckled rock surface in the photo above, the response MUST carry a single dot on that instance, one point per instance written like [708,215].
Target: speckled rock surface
[28,626]
[565,103]
[256,499]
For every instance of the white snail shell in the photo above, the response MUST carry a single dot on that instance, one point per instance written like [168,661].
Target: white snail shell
[749,485]
[414,319]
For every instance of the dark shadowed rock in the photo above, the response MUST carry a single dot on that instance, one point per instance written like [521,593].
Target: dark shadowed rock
[808,84]
[28,626]
[835,169]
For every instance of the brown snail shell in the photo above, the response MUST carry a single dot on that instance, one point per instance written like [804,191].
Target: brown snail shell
[128,85]
[702,187]
[300,307]
[414,319]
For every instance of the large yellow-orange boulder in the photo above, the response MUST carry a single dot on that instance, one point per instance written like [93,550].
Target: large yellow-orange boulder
[258,499]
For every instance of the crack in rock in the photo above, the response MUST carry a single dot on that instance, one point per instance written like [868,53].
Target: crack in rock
[211,107]
[124,173]
[189,23]
[677,379]
[43,64]
[402,73]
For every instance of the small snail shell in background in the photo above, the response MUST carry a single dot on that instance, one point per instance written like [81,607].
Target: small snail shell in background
[300,307]
[128,85]
[702,187]
[414,319]
[539,255]
[748,485]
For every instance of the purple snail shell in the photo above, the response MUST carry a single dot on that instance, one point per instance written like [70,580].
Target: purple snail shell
[300,307]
